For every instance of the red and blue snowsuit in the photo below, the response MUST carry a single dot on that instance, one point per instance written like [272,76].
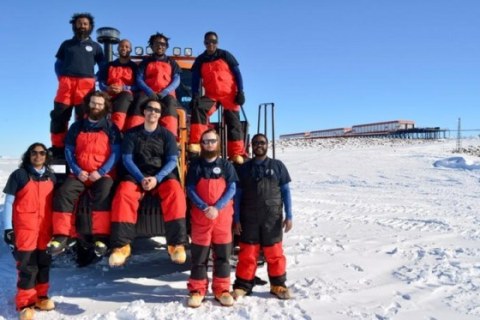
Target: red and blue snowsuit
[261,194]
[221,79]
[211,184]
[90,146]
[32,226]
[117,73]
[74,67]
[147,154]
[160,76]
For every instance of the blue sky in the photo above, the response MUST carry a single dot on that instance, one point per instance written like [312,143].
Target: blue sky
[325,64]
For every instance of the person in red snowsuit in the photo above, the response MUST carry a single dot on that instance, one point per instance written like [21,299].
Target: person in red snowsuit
[158,77]
[92,150]
[211,187]
[28,228]
[221,78]
[149,154]
[74,67]
[118,78]
[262,192]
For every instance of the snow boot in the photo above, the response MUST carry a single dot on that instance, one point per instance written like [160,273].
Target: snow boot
[177,254]
[195,299]
[27,314]
[45,304]
[280,292]
[225,299]
[119,256]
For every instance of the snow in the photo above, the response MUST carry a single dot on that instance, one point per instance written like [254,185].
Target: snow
[383,229]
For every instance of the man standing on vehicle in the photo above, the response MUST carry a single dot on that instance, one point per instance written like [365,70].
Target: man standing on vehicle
[158,77]
[92,150]
[222,81]
[262,192]
[74,67]
[118,78]
[149,154]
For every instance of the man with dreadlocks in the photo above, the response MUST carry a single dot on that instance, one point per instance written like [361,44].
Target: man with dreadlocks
[76,59]
[158,77]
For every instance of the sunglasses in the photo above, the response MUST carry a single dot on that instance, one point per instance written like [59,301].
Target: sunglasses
[153,109]
[209,141]
[42,153]
[259,143]
[207,42]
[160,44]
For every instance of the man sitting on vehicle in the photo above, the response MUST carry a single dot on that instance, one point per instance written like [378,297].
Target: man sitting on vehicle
[149,153]
[92,148]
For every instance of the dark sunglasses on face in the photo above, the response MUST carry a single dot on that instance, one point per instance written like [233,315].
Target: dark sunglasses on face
[160,44]
[209,141]
[41,153]
[259,143]
[153,109]
[207,42]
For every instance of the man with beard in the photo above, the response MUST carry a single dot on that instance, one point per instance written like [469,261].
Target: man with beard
[118,78]
[262,192]
[221,78]
[149,154]
[158,77]
[92,150]
[74,67]
[211,187]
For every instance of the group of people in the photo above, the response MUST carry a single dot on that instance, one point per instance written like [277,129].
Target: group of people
[133,121]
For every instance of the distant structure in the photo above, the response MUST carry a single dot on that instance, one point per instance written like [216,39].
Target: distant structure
[401,129]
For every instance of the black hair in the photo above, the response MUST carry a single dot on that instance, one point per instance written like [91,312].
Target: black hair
[260,135]
[157,35]
[210,33]
[26,156]
[87,15]
[144,105]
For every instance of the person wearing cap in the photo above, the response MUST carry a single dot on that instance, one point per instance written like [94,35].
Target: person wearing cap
[74,67]
[28,228]
[149,154]
[222,80]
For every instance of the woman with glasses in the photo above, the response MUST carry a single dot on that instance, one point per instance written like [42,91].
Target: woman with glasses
[28,228]
[211,187]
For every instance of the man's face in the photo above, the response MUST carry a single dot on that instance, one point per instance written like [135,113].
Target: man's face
[82,27]
[97,108]
[124,49]
[259,146]
[209,145]
[159,46]
[211,43]
[152,112]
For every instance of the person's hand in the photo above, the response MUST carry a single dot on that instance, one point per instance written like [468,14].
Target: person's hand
[94,176]
[287,225]
[211,213]
[9,238]
[83,176]
[194,102]
[149,183]
[240,98]
[237,228]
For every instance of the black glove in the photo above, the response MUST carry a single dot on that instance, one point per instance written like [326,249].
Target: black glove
[9,238]
[194,102]
[240,98]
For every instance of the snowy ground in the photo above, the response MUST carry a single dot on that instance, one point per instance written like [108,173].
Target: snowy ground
[382,230]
